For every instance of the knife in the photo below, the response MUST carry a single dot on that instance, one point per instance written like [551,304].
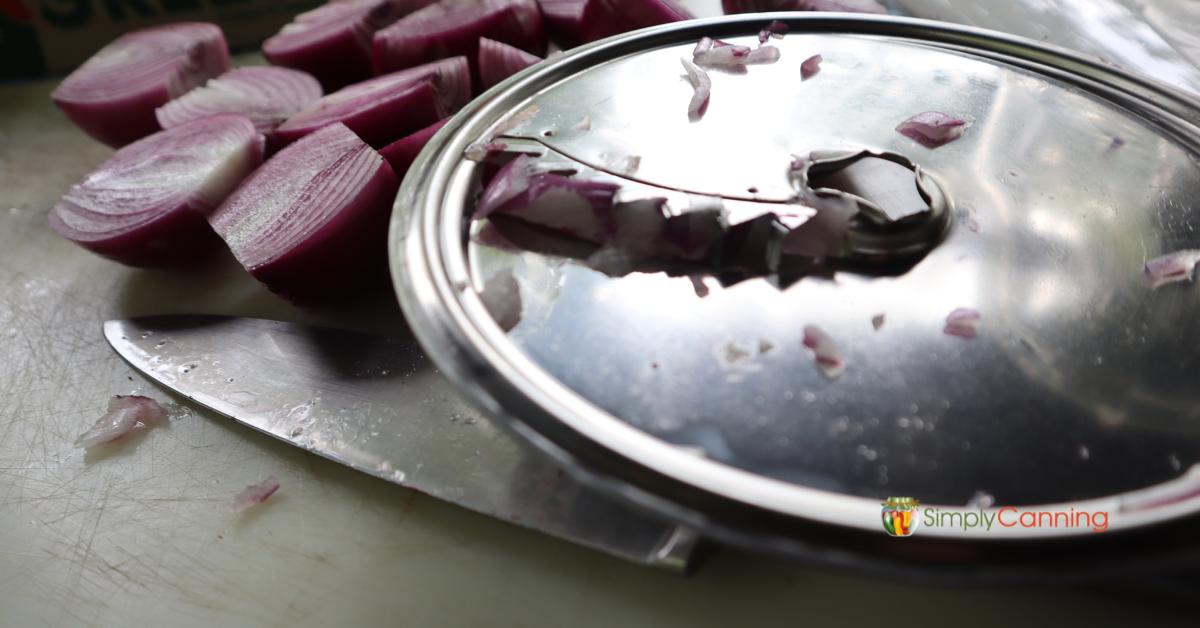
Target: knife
[378,405]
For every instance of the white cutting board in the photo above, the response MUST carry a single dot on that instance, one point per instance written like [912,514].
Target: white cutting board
[143,536]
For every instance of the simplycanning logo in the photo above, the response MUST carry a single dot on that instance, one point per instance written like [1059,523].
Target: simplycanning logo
[903,515]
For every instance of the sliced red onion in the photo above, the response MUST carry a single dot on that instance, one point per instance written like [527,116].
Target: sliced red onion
[389,107]
[333,41]
[255,494]
[498,61]
[146,205]
[576,207]
[775,29]
[878,321]
[401,154]
[1170,268]
[312,221]
[826,354]
[564,19]
[810,67]
[932,128]
[763,6]
[113,95]
[265,95]
[702,86]
[604,18]
[453,27]
[824,234]
[125,414]
[963,322]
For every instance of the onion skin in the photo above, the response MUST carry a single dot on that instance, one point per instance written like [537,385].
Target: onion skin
[266,95]
[453,27]
[605,18]
[388,107]
[401,154]
[311,223]
[160,223]
[333,41]
[498,61]
[113,95]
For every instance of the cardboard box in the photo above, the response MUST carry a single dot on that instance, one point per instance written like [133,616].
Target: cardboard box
[39,37]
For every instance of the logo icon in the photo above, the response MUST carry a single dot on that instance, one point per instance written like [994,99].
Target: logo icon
[900,516]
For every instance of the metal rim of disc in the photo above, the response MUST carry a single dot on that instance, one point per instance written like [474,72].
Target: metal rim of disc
[432,278]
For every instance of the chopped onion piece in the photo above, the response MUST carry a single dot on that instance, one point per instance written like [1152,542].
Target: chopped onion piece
[1170,268]
[762,6]
[714,53]
[775,29]
[702,86]
[401,154]
[113,95]
[480,151]
[146,205]
[810,67]
[564,19]
[265,95]
[453,27]
[388,107]
[604,18]
[125,414]
[824,234]
[333,41]
[932,128]
[255,494]
[576,207]
[963,322]
[498,61]
[312,221]
[826,354]
[584,124]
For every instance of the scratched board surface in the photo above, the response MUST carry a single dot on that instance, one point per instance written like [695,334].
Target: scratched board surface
[142,535]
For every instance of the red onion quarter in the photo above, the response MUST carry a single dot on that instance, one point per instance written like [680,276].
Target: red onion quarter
[113,95]
[146,205]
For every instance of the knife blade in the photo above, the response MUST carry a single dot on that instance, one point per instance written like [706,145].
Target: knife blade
[378,405]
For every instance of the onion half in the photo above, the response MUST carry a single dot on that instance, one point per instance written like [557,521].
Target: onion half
[453,27]
[333,42]
[265,95]
[311,223]
[113,95]
[498,61]
[146,205]
[389,107]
